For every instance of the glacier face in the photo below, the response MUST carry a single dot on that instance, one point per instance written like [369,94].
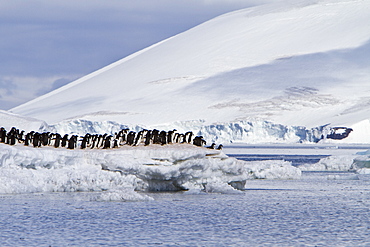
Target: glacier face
[253,131]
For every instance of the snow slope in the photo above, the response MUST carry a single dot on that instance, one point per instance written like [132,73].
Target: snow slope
[303,63]
[9,120]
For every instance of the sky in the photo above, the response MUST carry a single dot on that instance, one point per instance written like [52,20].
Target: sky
[46,44]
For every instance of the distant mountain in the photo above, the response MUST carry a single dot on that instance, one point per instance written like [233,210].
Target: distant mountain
[303,64]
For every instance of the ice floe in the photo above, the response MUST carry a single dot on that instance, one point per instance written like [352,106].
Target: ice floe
[120,173]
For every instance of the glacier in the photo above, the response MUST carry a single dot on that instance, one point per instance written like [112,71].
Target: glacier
[252,131]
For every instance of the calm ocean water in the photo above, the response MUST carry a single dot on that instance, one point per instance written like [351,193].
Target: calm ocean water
[321,209]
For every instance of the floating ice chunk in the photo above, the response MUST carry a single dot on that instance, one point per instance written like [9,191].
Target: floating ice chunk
[331,163]
[124,194]
[363,171]
[361,162]
[274,169]
[343,177]
[217,186]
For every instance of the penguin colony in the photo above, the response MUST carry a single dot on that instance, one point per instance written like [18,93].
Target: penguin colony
[97,141]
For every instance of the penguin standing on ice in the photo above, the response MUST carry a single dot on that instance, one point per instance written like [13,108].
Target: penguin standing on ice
[148,137]
[219,147]
[57,140]
[94,139]
[212,146]
[36,140]
[28,138]
[163,137]
[115,143]
[20,136]
[139,137]
[130,138]
[107,142]
[122,135]
[155,136]
[170,136]
[188,136]
[72,142]
[12,138]
[2,134]
[101,140]
[199,141]
[84,141]
[45,138]
[64,140]
[180,138]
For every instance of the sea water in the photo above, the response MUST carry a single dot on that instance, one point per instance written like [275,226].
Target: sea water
[321,209]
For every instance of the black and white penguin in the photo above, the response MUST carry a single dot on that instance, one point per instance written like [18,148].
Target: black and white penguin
[163,137]
[155,136]
[57,140]
[171,135]
[180,138]
[45,138]
[2,135]
[107,142]
[199,141]
[28,138]
[148,137]
[72,142]
[64,140]
[84,141]
[219,147]
[115,143]
[94,139]
[212,146]
[36,140]
[130,138]
[188,136]
[140,136]
[122,135]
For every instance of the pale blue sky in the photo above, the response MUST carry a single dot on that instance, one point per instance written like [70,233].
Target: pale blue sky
[45,44]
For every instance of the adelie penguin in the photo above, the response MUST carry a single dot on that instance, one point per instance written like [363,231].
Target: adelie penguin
[72,142]
[64,140]
[107,142]
[57,140]
[212,146]
[2,135]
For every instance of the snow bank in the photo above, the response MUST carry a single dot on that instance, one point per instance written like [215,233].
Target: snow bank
[119,173]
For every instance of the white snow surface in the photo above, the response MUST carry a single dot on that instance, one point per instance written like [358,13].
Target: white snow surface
[295,63]
[121,173]
[9,120]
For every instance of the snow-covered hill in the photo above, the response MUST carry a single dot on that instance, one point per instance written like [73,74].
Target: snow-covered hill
[302,63]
